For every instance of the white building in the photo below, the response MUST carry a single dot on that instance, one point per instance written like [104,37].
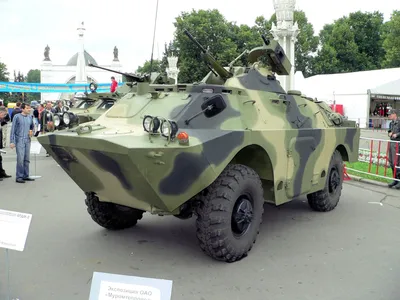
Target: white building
[76,70]
[358,92]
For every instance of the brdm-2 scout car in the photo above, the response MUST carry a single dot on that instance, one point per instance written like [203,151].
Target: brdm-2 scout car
[218,149]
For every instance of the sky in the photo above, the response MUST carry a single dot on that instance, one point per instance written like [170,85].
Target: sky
[27,26]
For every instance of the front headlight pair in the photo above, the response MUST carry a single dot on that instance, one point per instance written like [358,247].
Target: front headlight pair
[167,128]
[66,118]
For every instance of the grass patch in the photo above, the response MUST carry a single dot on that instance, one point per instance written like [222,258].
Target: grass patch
[363,167]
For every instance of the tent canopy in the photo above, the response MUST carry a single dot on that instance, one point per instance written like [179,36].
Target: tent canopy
[347,83]
[389,89]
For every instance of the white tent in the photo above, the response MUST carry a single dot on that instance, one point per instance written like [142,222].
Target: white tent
[352,90]
[388,89]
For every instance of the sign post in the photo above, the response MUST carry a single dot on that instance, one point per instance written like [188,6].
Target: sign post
[14,227]
[35,150]
[112,286]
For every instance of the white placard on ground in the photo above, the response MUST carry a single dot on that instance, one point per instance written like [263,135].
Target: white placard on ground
[14,227]
[112,286]
[35,147]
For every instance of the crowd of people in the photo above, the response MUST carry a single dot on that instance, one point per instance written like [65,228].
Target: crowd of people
[26,121]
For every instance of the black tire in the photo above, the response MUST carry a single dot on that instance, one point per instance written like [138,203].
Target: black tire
[216,229]
[112,216]
[328,198]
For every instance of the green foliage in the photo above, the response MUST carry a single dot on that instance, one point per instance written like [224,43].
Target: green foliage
[4,77]
[352,43]
[391,42]
[146,67]
[211,29]
[33,76]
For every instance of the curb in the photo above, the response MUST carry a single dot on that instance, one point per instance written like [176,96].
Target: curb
[368,181]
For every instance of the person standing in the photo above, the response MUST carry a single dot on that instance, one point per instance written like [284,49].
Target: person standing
[21,134]
[17,109]
[3,115]
[114,84]
[394,158]
[4,127]
[36,119]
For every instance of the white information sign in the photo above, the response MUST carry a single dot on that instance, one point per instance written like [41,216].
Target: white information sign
[112,286]
[112,290]
[35,147]
[14,227]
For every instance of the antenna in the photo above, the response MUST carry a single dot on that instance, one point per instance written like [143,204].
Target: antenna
[154,35]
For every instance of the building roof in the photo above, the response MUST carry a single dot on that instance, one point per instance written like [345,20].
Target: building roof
[88,59]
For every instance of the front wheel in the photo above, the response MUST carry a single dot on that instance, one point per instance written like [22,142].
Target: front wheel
[112,216]
[328,198]
[230,214]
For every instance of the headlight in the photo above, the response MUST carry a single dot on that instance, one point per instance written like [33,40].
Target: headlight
[66,118]
[151,124]
[70,119]
[56,120]
[169,129]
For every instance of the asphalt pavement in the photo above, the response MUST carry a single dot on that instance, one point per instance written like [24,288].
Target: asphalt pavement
[350,253]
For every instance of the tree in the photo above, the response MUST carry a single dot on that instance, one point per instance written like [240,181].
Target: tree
[211,30]
[391,42]
[352,43]
[4,77]
[146,67]
[33,76]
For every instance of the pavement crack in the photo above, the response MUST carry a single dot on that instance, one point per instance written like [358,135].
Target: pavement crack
[384,198]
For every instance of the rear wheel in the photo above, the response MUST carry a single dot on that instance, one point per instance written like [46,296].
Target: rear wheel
[112,216]
[328,198]
[230,214]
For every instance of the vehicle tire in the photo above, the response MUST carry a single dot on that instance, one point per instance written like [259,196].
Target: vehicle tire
[112,216]
[235,196]
[328,198]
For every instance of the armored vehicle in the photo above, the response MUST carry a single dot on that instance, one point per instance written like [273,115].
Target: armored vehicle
[218,149]
[94,104]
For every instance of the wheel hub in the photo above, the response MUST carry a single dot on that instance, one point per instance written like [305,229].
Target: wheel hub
[242,216]
[334,180]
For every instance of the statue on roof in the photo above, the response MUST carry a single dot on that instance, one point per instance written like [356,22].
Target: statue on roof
[115,53]
[46,53]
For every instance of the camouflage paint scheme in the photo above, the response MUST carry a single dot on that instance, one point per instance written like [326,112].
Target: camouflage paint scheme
[95,109]
[92,112]
[287,138]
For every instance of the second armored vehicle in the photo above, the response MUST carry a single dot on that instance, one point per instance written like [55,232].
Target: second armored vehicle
[218,149]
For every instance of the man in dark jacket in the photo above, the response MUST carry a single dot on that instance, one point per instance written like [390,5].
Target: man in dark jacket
[394,148]
[17,110]
[3,119]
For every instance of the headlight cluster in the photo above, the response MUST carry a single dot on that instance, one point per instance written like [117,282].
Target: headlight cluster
[167,128]
[66,119]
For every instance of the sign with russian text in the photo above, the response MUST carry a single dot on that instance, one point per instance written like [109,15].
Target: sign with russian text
[14,227]
[21,87]
[107,286]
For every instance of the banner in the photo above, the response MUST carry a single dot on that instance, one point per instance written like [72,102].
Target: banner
[25,87]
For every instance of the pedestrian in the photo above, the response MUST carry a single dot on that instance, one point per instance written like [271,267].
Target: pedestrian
[394,150]
[3,115]
[36,119]
[21,134]
[4,128]
[17,109]
[46,121]
[114,84]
